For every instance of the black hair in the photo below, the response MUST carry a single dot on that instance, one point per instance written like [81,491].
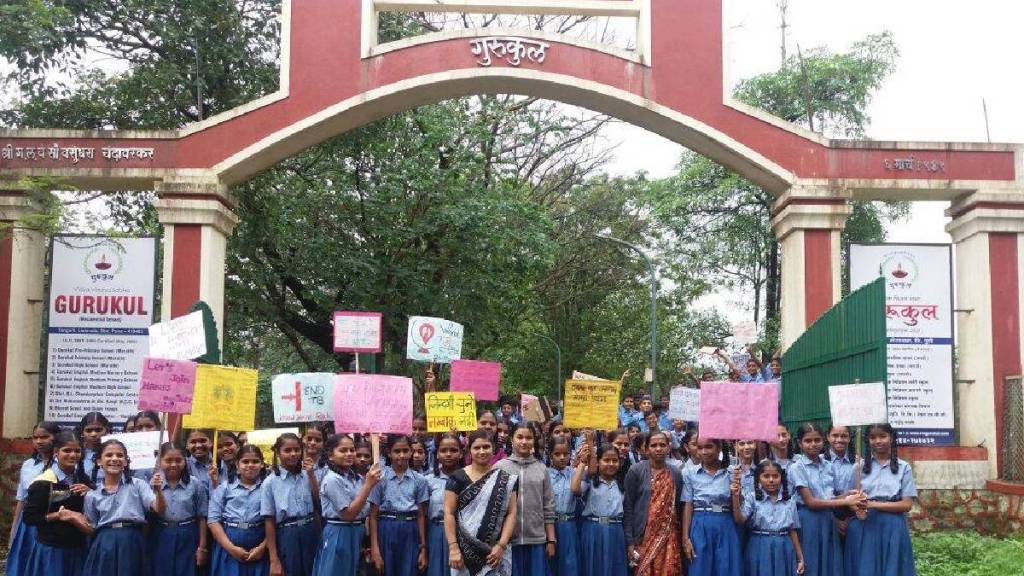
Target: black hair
[627,395]
[250,449]
[554,442]
[231,465]
[761,467]
[90,418]
[639,442]
[126,473]
[129,421]
[478,435]
[53,429]
[330,445]
[426,455]
[393,440]
[538,441]
[169,446]
[596,476]
[276,449]
[894,463]
[789,449]
[324,428]
[63,438]
[437,448]
[723,449]
[632,425]
[152,415]
[851,449]
[807,428]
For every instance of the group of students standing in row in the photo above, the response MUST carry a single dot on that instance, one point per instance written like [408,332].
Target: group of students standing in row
[509,499]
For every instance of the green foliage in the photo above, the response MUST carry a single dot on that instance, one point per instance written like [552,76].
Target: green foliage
[212,355]
[966,554]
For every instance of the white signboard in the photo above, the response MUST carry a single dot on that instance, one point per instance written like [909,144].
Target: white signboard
[434,340]
[744,333]
[357,332]
[684,404]
[142,448]
[182,338]
[100,309]
[306,397]
[858,404]
[919,312]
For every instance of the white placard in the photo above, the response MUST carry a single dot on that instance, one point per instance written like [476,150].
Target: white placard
[744,333]
[919,324]
[100,308]
[357,332]
[182,338]
[684,404]
[305,397]
[142,448]
[858,404]
[434,340]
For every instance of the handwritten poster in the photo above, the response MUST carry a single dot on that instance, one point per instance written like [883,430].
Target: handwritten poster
[142,447]
[744,333]
[225,398]
[684,404]
[303,397]
[167,385]
[448,410]
[483,379]
[434,340]
[182,338]
[858,404]
[372,403]
[592,404]
[739,411]
[357,332]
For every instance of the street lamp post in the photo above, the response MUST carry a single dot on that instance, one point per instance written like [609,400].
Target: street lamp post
[654,307]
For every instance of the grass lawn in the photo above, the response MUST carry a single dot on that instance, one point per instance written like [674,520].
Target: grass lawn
[967,554]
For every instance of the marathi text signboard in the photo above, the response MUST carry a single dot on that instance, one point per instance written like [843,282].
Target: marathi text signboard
[592,404]
[225,399]
[739,411]
[167,385]
[357,332]
[448,411]
[182,338]
[434,340]
[684,404]
[305,397]
[100,310]
[919,322]
[483,379]
[858,404]
[372,403]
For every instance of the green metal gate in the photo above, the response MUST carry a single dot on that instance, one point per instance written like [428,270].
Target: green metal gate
[846,344]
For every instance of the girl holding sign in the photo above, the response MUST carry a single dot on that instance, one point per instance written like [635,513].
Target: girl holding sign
[447,458]
[23,536]
[91,430]
[235,520]
[398,511]
[177,540]
[345,496]
[288,511]
[770,515]
[567,556]
[710,539]
[601,535]
[813,486]
[533,542]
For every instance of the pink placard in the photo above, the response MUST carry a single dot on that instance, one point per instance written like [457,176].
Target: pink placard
[483,379]
[739,411]
[167,385]
[372,403]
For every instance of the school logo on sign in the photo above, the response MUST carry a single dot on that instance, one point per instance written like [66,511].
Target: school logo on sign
[104,262]
[900,269]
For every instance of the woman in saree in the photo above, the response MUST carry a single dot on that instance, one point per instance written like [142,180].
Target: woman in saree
[480,514]
[650,511]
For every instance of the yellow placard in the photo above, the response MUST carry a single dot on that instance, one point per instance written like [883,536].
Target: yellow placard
[447,410]
[592,404]
[266,438]
[225,398]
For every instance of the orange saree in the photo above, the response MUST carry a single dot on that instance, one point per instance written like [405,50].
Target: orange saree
[659,552]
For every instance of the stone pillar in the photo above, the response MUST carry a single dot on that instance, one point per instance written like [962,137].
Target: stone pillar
[988,232]
[22,260]
[198,219]
[808,222]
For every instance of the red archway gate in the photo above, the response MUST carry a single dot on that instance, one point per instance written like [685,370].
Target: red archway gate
[336,76]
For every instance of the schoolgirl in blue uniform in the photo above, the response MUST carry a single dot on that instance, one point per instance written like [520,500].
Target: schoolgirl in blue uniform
[235,520]
[813,487]
[116,509]
[781,450]
[692,456]
[178,537]
[91,430]
[843,458]
[146,421]
[398,515]
[313,440]
[602,538]
[770,515]
[880,544]
[567,553]
[419,459]
[286,504]
[345,499]
[447,459]
[745,450]
[199,460]
[54,505]
[23,536]
[710,540]
[228,446]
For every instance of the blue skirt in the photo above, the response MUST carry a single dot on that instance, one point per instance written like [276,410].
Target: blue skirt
[222,564]
[885,546]
[116,552]
[172,549]
[437,550]
[603,549]
[819,539]
[769,555]
[339,552]
[399,542]
[21,549]
[50,561]
[852,545]
[716,545]
[567,554]
[530,560]
[296,547]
